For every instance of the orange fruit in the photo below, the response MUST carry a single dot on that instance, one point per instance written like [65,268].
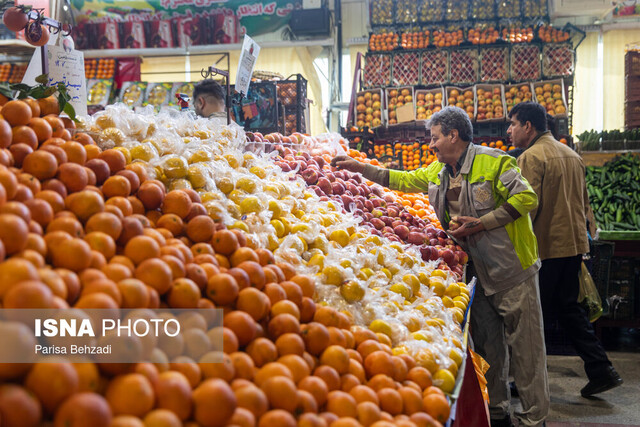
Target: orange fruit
[151,195]
[342,404]
[130,394]
[133,291]
[84,410]
[66,224]
[224,242]
[173,392]
[155,273]
[177,202]
[13,233]
[105,222]
[41,127]
[5,134]
[140,248]
[116,185]
[73,176]
[262,351]
[17,113]
[41,164]
[75,152]
[363,393]
[52,383]
[222,289]
[49,105]
[242,325]
[55,200]
[281,392]
[256,304]
[200,228]
[214,403]
[57,126]
[297,365]
[252,399]
[25,135]
[184,293]
[114,158]
[102,243]
[162,418]
[19,407]
[437,406]
[329,375]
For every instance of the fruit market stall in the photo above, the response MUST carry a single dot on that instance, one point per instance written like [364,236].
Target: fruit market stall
[341,299]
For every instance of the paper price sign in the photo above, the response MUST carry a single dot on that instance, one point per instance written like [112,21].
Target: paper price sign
[248,58]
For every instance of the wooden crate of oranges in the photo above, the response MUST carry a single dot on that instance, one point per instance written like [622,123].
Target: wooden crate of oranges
[489,103]
[428,102]
[369,108]
[515,94]
[463,98]
[550,94]
[397,97]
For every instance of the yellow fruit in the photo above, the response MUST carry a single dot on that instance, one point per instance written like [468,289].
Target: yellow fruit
[247,184]
[317,259]
[382,327]
[199,156]
[447,302]
[402,289]
[422,336]
[334,275]
[259,172]
[240,225]
[197,176]
[144,152]
[437,286]
[352,291]
[225,185]
[250,204]
[277,225]
[175,167]
[274,207]
[456,356]
[453,290]
[365,273]
[444,379]
[439,273]
[345,263]
[340,236]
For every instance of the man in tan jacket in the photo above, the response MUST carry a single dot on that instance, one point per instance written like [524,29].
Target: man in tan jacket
[557,175]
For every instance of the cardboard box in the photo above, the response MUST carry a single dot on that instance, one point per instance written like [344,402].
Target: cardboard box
[428,102]
[159,34]
[461,99]
[556,103]
[224,29]
[133,93]
[132,35]
[191,31]
[489,103]
[397,97]
[108,35]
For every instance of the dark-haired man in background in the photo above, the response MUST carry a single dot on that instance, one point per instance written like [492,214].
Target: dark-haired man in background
[557,175]
[209,100]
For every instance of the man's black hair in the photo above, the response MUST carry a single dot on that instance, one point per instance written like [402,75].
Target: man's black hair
[551,125]
[530,112]
[209,87]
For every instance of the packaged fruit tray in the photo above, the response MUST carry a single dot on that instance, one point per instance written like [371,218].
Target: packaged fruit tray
[158,94]
[434,67]
[406,68]
[525,63]
[132,93]
[494,64]
[369,108]
[462,97]
[558,60]
[550,94]
[397,97]
[377,70]
[490,103]
[517,93]
[464,66]
[99,91]
[428,102]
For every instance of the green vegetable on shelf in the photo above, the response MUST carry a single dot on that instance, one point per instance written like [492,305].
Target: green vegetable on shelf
[614,193]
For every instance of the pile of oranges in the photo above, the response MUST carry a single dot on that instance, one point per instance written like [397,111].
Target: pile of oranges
[483,36]
[383,41]
[415,40]
[99,68]
[87,228]
[447,38]
[383,150]
[517,35]
[549,34]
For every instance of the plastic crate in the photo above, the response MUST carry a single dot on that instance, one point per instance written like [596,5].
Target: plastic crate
[377,70]
[632,63]
[434,69]
[558,60]
[406,68]
[464,66]
[525,63]
[600,265]
[632,88]
[494,64]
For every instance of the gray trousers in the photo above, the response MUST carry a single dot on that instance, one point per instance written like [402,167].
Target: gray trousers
[513,319]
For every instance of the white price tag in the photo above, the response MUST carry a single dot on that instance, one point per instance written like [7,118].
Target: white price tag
[248,58]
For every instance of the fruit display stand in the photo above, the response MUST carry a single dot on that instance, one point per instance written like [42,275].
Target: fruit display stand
[332,290]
